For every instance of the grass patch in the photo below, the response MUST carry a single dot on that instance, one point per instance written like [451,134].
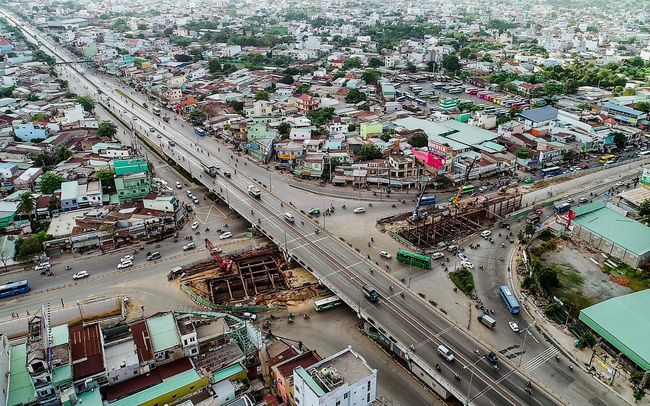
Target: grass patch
[464,280]
[121,93]
[637,280]
[278,30]
[568,275]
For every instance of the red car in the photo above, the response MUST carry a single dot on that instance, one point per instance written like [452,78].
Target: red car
[538,211]
[584,166]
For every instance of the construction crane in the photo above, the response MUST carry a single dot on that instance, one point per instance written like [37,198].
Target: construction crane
[462,185]
[224,264]
[416,210]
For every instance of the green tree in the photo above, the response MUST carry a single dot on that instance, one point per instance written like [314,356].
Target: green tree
[183,58]
[587,340]
[352,127]
[54,205]
[371,76]
[321,117]
[142,27]
[37,117]
[284,129]
[32,97]
[548,278]
[644,208]
[642,106]
[385,137]
[44,161]
[214,66]
[286,79]
[522,154]
[262,95]
[86,102]
[450,63]
[303,89]
[167,32]
[196,116]
[352,63]
[28,248]
[619,139]
[355,96]
[629,91]
[419,140]
[107,176]
[375,62]
[107,129]
[237,106]
[369,152]
[442,180]
[51,182]
[410,67]
[62,83]
[465,53]
[62,153]
[26,204]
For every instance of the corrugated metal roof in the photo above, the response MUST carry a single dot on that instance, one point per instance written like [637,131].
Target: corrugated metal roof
[625,322]
[540,114]
[162,330]
[21,390]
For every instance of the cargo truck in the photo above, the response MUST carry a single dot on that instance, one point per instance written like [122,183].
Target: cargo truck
[370,293]
[210,170]
[487,321]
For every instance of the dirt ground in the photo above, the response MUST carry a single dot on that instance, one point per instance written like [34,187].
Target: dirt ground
[581,278]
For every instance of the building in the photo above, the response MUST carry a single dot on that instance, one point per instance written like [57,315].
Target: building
[624,323]
[388,91]
[307,103]
[132,187]
[370,129]
[283,374]
[539,117]
[343,379]
[260,108]
[448,104]
[609,231]
[30,131]
[624,114]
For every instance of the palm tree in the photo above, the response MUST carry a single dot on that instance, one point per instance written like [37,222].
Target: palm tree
[27,204]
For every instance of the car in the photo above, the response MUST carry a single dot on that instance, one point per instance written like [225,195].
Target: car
[583,200]
[463,257]
[437,255]
[227,174]
[504,224]
[446,354]
[466,264]
[189,193]
[569,200]
[171,143]
[225,235]
[385,254]
[80,275]
[486,233]
[538,211]
[584,166]
[608,163]
[195,199]
[159,135]
[43,266]
[152,129]
[195,225]
[127,258]
[189,208]
[514,326]
[482,189]
[360,210]
[124,264]
[189,246]
[179,185]
[619,183]
[153,255]
[452,248]
[528,180]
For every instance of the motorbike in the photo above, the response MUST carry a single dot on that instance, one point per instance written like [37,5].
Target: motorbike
[157,246]
[456,376]
[390,288]
[68,267]
[175,239]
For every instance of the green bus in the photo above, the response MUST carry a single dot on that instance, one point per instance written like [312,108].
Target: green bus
[466,189]
[327,303]
[411,258]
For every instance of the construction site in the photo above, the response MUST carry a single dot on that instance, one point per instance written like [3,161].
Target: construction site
[247,277]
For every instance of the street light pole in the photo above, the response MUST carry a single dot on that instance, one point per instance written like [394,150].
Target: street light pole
[523,347]
[471,377]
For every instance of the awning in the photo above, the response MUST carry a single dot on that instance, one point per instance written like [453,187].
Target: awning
[86,243]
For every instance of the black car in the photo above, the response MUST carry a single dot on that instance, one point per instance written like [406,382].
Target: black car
[504,224]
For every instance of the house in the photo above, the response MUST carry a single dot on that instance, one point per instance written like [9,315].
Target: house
[307,103]
[132,187]
[283,374]
[260,108]
[370,129]
[8,170]
[539,117]
[30,131]
[624,114]
[5,46]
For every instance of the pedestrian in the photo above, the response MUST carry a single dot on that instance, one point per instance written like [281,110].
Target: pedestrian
[28,312]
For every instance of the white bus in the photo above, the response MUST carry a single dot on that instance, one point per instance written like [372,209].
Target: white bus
[327,303]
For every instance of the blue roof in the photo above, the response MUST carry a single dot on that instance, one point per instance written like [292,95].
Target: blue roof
[540,114]
[622,109]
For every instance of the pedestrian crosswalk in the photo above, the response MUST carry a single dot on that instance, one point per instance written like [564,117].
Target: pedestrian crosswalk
[539,359]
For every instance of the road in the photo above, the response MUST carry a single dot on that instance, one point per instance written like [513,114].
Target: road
[409,320]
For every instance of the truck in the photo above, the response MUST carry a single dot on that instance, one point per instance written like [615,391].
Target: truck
[370,293]
[210,170]
[487,321]
[253,191]
[533,218]
[156,110]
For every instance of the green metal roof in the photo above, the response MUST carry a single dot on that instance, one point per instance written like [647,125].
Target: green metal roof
[169,385]
[21,390]
[228,372]
[622,231]
[624,321]
[91,398]
[62,374]
[163,332]
[60,335]
[309,381]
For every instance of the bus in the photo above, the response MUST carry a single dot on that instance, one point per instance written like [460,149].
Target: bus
[467,189]
[156,110]
[511,301]
[562,208]
[411,258]
[327,303]
[607,158]
[14,288]
[415,88]
[200,131]
[554,170]
[428,200]
[455,90]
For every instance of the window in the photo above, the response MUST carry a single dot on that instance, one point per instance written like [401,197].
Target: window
[368,398]
[191,387]
[345,396]
[368,385]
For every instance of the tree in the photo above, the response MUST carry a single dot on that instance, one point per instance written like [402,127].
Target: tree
[371,76]
[37,117]
[262,95]
[419,140]
[237,105]
[321,117]
[196,116]
[522,154]
[62,153]
[62,83]
[352,127]
[442,181]
[286,79]
[352,63]
[369,152]
[86,102]
[619,139]
[183,58]
[375,62]
[28,248]
[32,97]
[355,96]
[167,32]
[51,182]
[4,258]
[142,27]
[215,66]
[588,339]
[629,91]
[410,67]
[643,106]
[465,53]
[54,205]
[385,137]
[303,89]
[107,129]
[450,63]
[644,208]
[26,204]
[284,128]
[107,176]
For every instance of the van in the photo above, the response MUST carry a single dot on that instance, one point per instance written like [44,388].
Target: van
[175,273]
[437,255]
[487,321]
[289,217]
[153,255]
[446,354]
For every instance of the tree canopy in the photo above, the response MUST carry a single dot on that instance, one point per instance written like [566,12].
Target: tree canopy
[51,182]
[86,102]
[355,96]
[107,129]
[419,140]
[369,152]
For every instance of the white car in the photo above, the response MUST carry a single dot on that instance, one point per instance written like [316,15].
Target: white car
[80,275]
[619,183]
[225,235]
[195,225]
[43,266]
[189,193]
[195,199]
[126,258]
[466,264]
[385,254]
[124,264]
[514,326]
[462,257]
[437,255]
[482,189]
[189,246]
[360,210]
[152,129]
[486,233]
[179,185]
